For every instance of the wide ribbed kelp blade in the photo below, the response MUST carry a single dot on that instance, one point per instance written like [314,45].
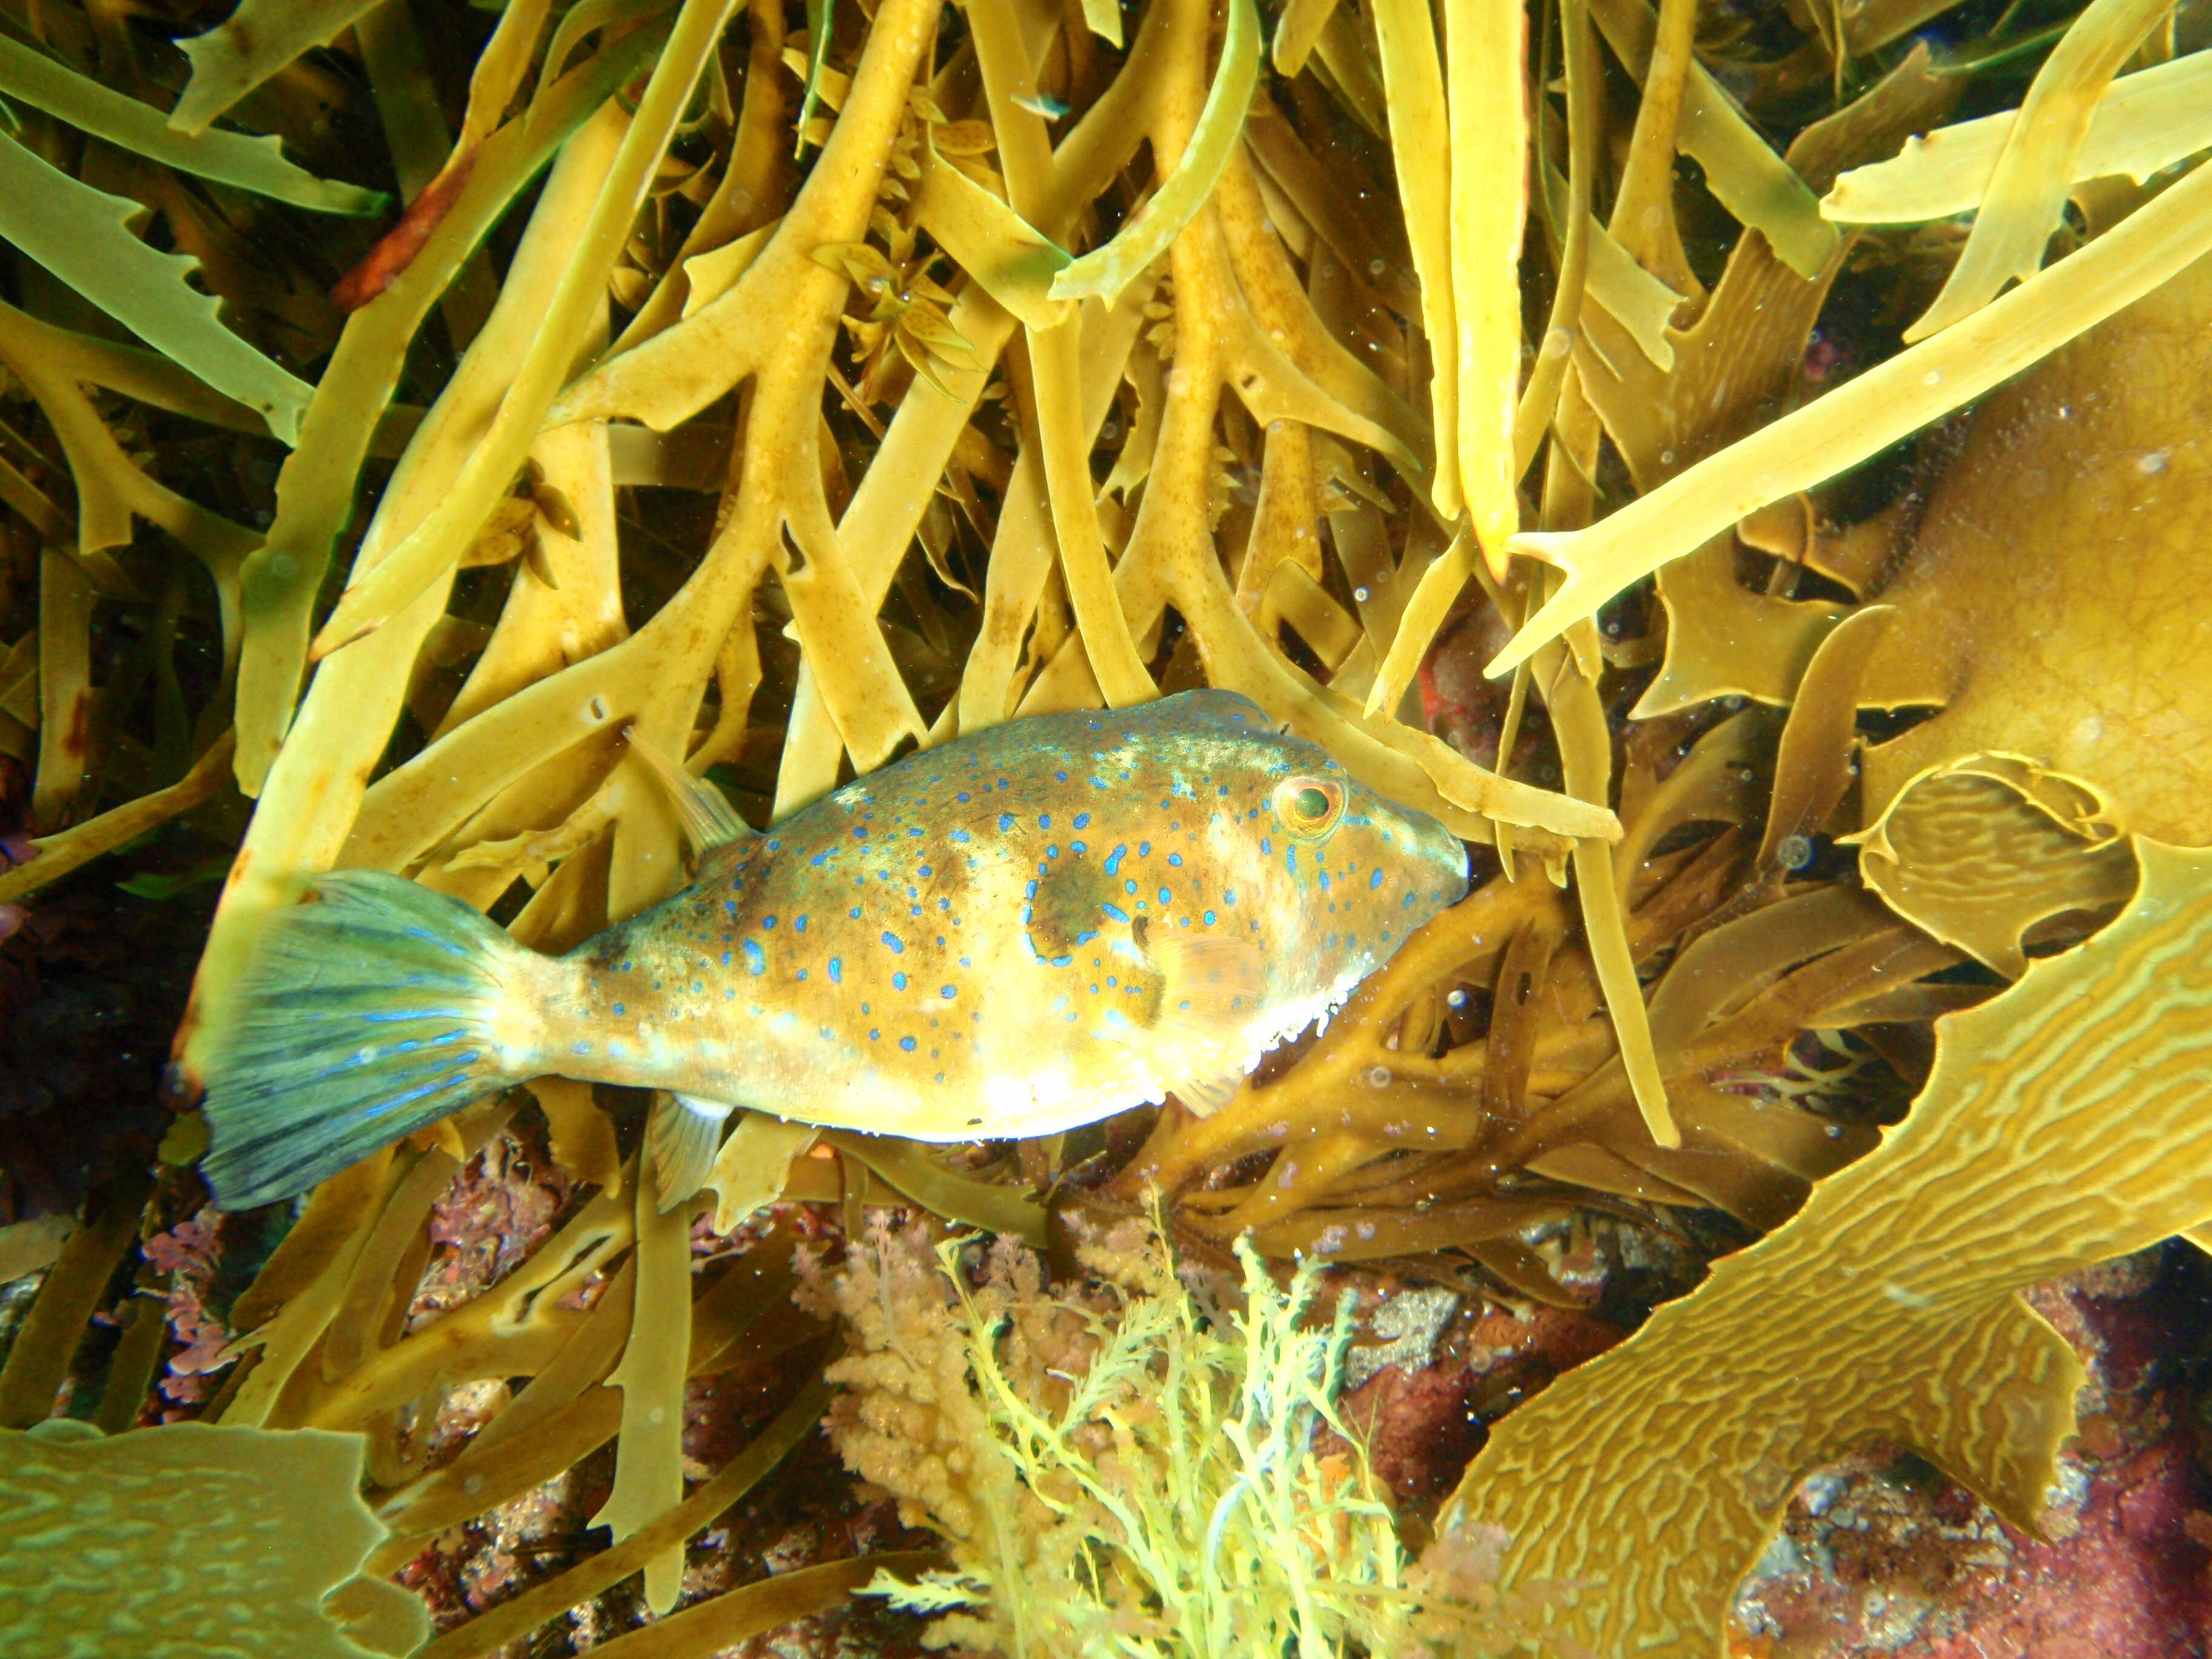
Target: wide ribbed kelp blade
[1652,1478]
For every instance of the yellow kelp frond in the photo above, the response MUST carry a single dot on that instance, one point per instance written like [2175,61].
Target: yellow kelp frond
[2027,188]
[192,1539]
[1107,270]
[2144,122]
[1484,46]
[2084,470]
[1859,419]
[1744,174]
[1888,1307]
[1982,852]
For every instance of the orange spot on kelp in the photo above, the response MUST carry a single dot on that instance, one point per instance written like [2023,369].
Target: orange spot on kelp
[396,249]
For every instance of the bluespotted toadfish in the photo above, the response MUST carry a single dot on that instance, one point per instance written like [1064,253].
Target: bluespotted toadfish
[1017,933]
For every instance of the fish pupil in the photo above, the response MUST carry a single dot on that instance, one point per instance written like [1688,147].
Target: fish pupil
[1312,805]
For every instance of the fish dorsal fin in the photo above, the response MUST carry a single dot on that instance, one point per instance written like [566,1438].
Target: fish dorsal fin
[1211,987]
[705,812]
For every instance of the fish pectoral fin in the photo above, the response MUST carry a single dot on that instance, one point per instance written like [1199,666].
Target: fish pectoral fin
[1210,991]
[708,819]
[682,1138]
[1068,908]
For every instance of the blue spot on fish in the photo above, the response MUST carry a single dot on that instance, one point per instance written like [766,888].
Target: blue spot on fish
[836,971]
[896,945]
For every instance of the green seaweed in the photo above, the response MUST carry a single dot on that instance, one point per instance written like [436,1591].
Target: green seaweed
[257,164]
[83,236]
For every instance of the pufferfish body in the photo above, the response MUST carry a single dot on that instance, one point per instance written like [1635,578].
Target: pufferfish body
[1011,934]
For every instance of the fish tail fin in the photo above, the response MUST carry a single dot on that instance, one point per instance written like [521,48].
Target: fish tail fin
[374,1009]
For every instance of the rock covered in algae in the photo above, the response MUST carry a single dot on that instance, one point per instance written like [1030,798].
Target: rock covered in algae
[191,1541]
[2065,1123]
[1880,1553]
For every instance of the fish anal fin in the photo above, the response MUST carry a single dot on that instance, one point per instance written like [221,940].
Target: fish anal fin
[1206,1096]
[1211,989]
[708,819]
[681,1137]
[1996,1407]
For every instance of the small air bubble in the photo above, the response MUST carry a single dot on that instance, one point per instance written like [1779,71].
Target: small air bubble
[1360,594]
[1378,1076]
[1377,267]
[1457,998]
[1110,431]
[1666,457]
[1933,377]
[1795,852]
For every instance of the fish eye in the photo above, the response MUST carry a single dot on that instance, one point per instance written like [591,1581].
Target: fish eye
[1309,808]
